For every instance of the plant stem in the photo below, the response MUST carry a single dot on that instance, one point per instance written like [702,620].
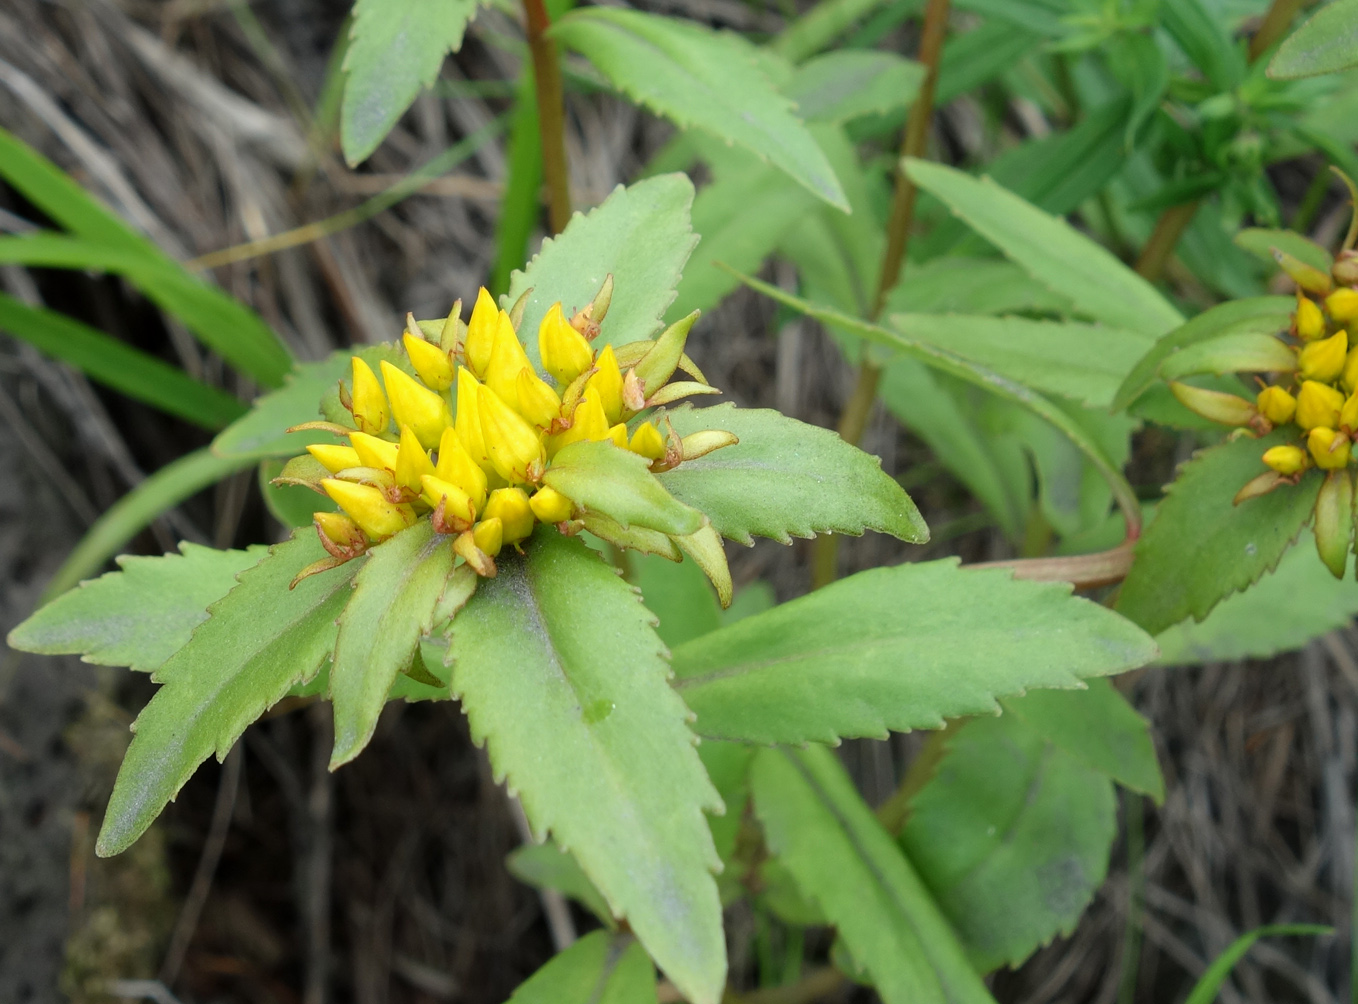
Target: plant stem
[859,407]
[1160,245]
[1275,23]
[551,114]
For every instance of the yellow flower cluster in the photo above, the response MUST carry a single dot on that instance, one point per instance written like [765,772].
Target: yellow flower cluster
[468,439]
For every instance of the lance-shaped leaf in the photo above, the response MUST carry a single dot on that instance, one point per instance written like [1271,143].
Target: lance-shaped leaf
[556,654]
[1200,548]
[846,84]
[897,648]
[842,859]
[1011,836]
[260,640]
[618,483]
[704,79]
[395,48]
[139,616]
[1098,728]
[1050,249]
[395,593]
[640,235]
[547,866]
[598,969]
[787,479]
[1326,43]
[1247,352]
[1261,243]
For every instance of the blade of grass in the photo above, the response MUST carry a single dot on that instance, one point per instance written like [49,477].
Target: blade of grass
[519,205]
[1209,985]
[132,513]
[103,358]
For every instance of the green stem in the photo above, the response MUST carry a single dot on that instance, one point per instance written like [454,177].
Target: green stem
[1160,245]
[551,114]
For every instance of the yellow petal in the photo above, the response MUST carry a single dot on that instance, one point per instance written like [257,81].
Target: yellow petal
[565,352]
[1308,320]
[588,423]
[369,404]
[340,530]
[1318,406]
[507,359]
[417,406]
[481,332]
[412,463]
[608,382]
[1287,459]
[456,466]
[334,458]
[1329,449]
[1323,360]
[515,447]
[456,503]
[538,403]
[369,508]
[1343,304]
[550,506]
[648,442]
[1276,405]
[430,362]
[489,535]
[512,508]
[374,452]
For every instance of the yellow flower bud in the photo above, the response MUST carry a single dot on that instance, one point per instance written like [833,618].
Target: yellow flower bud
[469,432]
[340,531]
[430,362]
[456,504]
[369,508]
[1318,406]
[369,404]
[417,406]
[374,452]
[550,506]
[588,424]
[1329,449]
[648,442]
[538,403]
[481,333]
[618,434]
[1276,405]
[565,353]
[456,466]
[1323,360]
[608,382]
[507,360]
[1308,321]
[514,446]
[412,463]
[1287,460]
[334,458]
[1350,374]
[489,535]
[1343,304]
[512,508]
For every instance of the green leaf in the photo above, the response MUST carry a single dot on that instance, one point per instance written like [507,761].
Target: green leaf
[700,78]
[132,513]
[849,83]
[972,286]
[1210,983]
[555,653]
[679,595]
[1053,252]
[222,323]
[1255,315]
[820,26]
[1326,43]
[139,616]
[1284,610]
[786,479]
[1085,362]
[1244,352]
[618,483]
[640,235]
[260,640]
[1011,836]
[1098,728]
[847,864]
[1137,61]
[547,866]
[1200,548]
[1260,243]
[395,593]
[104,359]
[971,58]
[598,969]
[897,648]
[1200,35]
[395,48]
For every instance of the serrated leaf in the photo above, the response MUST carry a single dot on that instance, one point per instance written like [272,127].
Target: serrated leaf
[786,479]
[547,866]
[1244,352]
[1051,250]
[680,597]
[1199,548]
[897,649]
[1284,610]
[700,78]
[1260,242]
[1011,836]
[1097,727]
[640,235]
[598,969]
[137,617]
[1085,362]
[849,83]
[1198,32]
[974,286]
[259,641]
[395,48]
[842,859]
[1326,43]
[393,602]
[556,653]
[618,483]
[1254,315]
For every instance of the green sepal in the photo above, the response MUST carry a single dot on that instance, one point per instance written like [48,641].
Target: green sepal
[598,969]
[618,483]
[1334,521]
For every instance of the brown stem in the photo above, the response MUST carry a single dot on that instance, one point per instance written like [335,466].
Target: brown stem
[1083,571]
[894,813]
[813,986]
[551,114]
[1275,23]
[825,553]
[1168,229]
